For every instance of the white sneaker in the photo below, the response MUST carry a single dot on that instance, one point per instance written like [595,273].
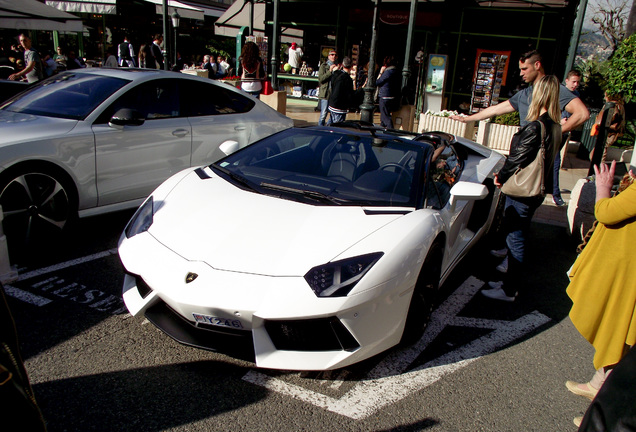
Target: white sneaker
[503,267]
[495,285]
[498,293]
[499,253]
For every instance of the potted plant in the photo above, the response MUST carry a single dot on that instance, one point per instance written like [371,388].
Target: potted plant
[441,121]
[497,133]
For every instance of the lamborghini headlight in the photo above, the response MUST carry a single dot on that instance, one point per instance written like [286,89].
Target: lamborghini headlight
[141,220]
[337,279]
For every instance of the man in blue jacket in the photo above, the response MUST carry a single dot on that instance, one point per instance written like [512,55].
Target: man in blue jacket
[389,84]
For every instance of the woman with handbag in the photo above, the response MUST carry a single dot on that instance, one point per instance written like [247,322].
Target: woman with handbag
[524,178]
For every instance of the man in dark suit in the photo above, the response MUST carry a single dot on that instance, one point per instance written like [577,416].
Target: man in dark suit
[157,51]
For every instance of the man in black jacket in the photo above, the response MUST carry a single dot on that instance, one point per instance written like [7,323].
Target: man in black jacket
[340,99]
[157,53]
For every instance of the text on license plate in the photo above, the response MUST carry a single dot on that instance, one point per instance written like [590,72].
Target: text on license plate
[222,322]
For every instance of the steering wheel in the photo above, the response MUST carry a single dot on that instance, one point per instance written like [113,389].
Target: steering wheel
[400,167]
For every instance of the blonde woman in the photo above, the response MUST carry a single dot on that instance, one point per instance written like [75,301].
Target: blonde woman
[544,109]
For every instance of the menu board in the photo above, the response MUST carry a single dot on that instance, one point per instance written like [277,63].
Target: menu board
[490,75]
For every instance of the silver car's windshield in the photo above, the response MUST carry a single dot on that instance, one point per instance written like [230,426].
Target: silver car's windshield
[330,168]
[67,95]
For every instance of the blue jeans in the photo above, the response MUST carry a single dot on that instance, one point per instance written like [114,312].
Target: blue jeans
[336,117]
[556,189]
[324,110]
[518,214]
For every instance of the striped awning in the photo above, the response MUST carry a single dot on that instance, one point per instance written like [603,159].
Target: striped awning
[102,7]
[33,15]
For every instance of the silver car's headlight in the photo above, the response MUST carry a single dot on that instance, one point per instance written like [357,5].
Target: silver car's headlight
[337,279]
[142,219]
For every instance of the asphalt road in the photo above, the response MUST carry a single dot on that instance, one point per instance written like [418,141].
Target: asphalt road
[482,366]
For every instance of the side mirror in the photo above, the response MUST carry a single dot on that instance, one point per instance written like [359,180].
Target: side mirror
[467,191]
[127,117]
[229,147]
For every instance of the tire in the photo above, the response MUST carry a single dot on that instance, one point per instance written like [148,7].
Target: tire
[424,296]
[37,203]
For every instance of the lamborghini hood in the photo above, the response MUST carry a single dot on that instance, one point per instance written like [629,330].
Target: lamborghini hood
[214,221]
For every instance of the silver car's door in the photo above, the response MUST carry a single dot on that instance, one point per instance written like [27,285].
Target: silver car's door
[133,159]
[216,114]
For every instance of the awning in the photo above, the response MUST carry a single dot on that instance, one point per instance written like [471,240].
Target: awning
[525,3]
[238,15]
[186,11]
[207,10]
[33,15]
[102,7]
[502,3]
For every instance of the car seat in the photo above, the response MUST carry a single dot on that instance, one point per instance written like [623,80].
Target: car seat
[342,161]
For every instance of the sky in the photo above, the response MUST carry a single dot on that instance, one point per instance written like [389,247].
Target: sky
[592,5]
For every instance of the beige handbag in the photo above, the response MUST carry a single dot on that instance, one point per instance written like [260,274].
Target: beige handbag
[528,181]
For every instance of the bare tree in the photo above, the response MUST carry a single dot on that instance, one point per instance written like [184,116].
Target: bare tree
[611,16]
[631,22]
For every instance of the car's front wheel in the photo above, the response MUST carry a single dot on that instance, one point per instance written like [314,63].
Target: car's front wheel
[36,204]
[424,296]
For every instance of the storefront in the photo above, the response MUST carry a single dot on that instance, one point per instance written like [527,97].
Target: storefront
[105,22]
[455,33]
[460,30]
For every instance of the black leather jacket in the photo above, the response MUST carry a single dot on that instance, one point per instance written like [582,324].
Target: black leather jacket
[525,145]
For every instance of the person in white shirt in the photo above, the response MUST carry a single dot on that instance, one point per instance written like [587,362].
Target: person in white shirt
[224,64]
[295,56]
[111,60]
[126,53]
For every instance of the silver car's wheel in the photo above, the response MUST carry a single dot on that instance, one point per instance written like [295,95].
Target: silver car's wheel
[35,205]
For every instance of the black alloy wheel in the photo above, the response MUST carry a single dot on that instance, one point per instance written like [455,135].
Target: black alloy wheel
[424,297]
[36,205]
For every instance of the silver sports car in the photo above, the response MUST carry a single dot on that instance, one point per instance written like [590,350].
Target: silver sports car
[97,140]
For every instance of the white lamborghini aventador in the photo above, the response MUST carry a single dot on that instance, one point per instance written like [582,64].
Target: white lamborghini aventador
[315,248]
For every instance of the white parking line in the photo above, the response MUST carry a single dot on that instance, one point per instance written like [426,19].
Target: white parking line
[66,264]
[390,381]
[26,296]
[44,285]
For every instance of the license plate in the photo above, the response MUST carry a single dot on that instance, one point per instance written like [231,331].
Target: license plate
[217,321]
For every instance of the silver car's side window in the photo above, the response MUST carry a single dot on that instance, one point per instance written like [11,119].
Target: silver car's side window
[204,99]
[153,100]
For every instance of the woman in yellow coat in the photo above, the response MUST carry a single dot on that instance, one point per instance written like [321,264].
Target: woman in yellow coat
[603,280]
